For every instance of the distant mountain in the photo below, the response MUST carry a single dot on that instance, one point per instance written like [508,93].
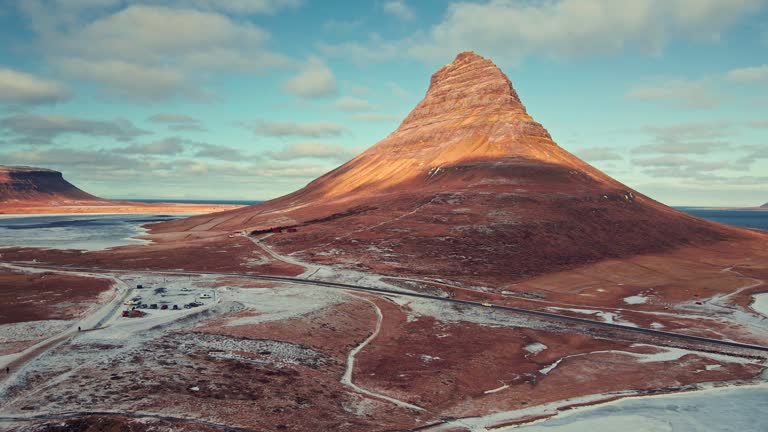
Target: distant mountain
[468,185]
[764,205]
[30,185]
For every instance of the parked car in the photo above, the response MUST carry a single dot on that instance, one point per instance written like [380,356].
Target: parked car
[175,307]
[164,307]
[144,306]
[205,296]
[153,306]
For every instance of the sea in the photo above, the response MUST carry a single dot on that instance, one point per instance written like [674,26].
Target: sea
[741,218]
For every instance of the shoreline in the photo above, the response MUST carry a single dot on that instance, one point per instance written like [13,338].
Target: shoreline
[116,208]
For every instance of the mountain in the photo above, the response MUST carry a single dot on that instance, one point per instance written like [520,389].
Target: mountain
[469,185]
[764,205]
[23,184]
[30,190]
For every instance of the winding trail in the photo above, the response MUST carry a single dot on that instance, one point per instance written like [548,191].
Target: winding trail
[347,378]
[348,372]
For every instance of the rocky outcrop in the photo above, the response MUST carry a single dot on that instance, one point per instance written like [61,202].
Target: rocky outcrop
[37,185]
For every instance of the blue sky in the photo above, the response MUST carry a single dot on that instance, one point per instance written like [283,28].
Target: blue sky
[252,99]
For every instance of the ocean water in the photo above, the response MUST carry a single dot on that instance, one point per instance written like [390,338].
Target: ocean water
[736,409]
[742,218]
[84,232]
[181,201]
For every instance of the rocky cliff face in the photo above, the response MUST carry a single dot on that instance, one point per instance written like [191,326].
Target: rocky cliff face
[469,185]
[37,185]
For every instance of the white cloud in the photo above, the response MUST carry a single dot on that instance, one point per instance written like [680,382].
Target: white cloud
[399,9]
[315,80]
[353,104]
[756,74]
[152,52]
[690,94]
[286,129]
[25,89]
[510,30]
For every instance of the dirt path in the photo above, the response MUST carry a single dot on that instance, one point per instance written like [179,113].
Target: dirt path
[347,378]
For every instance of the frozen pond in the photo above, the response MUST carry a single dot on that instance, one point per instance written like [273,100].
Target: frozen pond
[86,232]
[737,409]
[760,303]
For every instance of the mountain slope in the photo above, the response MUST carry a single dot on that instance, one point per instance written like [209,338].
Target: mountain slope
[468,185]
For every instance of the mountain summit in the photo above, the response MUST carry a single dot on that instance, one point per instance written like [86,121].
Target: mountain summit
[469,185]
[470,112]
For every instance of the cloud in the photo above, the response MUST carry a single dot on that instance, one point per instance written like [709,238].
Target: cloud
[353,104]
[168,147]
[316,80]
[687,138]
[242,7]
[178,122]
[599,154]
[70,159]
[152,52]
[313,150]
[133,81]
[287,129]
[20,88]
[756,74]
[374,49]
[690,94]
[510,30]
[758,124]
[399,9]
[681,167]
[43,129]
[222,152]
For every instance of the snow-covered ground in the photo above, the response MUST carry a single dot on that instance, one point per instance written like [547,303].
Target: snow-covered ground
[633,300]
[760,303]
[84,232]
[724,409]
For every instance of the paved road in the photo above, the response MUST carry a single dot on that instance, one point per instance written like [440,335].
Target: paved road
[530,312]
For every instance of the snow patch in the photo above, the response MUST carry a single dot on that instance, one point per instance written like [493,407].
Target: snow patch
[633,300]
[535,348]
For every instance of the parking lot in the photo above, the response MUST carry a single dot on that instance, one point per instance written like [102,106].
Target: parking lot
[153,295]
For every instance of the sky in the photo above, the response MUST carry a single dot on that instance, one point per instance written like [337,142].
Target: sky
[252,99]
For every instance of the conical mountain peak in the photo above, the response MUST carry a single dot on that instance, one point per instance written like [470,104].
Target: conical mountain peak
[470,82]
